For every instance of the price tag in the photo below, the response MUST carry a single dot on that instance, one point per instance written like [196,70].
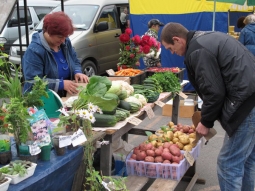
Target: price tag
[78,138]
[160,103]
[65,141]
[149,112]
[189,158]
[110,72]
[134,120]
[34,149]
[183,95]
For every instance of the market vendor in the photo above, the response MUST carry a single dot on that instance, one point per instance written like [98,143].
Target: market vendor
[154,26]
[51,54]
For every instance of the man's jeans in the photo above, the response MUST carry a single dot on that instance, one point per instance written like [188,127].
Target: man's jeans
[236,160]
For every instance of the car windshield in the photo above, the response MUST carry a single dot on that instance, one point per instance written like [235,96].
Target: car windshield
[81,15]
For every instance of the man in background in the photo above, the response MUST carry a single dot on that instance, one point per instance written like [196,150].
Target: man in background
[123,19]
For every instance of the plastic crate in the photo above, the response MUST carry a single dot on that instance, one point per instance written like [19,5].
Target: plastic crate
[179,74]
[156,170]
[196,150]
[138,79]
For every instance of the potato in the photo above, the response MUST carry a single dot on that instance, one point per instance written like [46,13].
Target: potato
[185,128]
[192,135]
[158,152]
[180,145]
[170,124]
[152,137]
[166,156]
[141,156]
[176,159]
[184,139]
[149,159]
[166,145]
[158,159]
[133,156]
[175,151]
[187,148]
[150,153]
[175,140]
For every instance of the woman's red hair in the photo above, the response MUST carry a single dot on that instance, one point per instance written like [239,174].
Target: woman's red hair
[58,23]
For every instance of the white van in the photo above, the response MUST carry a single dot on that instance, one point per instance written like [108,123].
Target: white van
[96,36]
[36,10]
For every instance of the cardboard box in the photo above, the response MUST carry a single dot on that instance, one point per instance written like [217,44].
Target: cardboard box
[115,78]
[185,111]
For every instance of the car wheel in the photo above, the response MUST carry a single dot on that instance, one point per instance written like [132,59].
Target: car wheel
[89,68]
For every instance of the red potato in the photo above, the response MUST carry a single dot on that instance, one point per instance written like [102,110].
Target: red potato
[150,153]
[149,146]
[151,173]
[151,166]
[185,128]
[149,159]
[176,159]
[136,151]
[143,147]
[160,147]
[166,150]
[175,151]
[166,161]
[191,131]
[166,156]
[158,152]
[158,159]
[141,156]
[133,156]
[166,145]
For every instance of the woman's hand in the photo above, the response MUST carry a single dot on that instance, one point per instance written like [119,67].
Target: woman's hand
[79,77]
[70,87]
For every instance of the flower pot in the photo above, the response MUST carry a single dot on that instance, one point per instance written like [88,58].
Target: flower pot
[45,152]
[71,147]
[59,151]
[24,154]
[4,186]
[5,157]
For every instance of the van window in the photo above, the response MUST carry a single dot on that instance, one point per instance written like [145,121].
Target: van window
[42,11]
[108,14]
[13,22]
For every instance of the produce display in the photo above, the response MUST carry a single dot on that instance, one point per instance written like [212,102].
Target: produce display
[163,69]
[166,144]
[167,81]
[128,72]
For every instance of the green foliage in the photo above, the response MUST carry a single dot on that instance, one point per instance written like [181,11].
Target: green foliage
[168,81]
[4,63]
[16,109]
[116,183]
[16,167]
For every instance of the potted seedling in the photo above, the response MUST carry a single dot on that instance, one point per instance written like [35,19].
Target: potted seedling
[4,182]
[16,115]
[18,170]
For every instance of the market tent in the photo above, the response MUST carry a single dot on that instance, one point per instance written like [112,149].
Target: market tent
[193,14]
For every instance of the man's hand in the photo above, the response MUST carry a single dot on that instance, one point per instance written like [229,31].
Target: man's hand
[201,129]
[79,77]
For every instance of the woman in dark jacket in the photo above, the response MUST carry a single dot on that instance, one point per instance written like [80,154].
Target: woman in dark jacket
[247,35]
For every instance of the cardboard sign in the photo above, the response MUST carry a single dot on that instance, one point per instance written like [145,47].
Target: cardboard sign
[65,141]
[34,149]
[78,138]
[160,103]
[149,112]
[183,95]
[110,72]
[134,120]
[189,158]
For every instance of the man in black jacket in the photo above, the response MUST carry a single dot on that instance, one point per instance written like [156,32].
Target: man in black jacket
[222,72]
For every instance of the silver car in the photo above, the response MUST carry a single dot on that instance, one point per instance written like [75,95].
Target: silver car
[96,35]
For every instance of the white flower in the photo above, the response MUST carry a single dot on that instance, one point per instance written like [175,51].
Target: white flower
[91,118]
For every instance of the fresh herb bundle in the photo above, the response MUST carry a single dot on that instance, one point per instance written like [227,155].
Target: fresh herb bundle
[168,81]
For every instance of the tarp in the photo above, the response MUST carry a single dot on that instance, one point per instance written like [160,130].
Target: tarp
[193,14]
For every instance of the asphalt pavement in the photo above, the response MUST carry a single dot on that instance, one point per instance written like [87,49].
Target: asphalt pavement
[206,164]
